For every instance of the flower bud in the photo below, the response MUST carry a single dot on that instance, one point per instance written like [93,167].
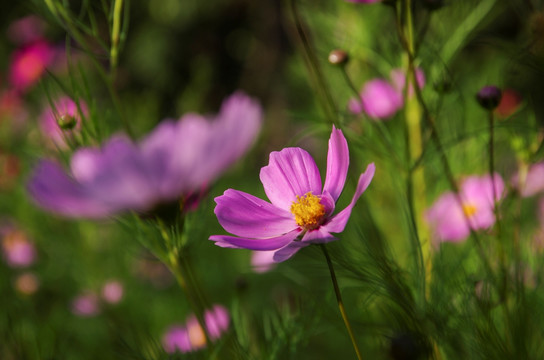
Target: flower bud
[67,122]
[338,57]
[489,97]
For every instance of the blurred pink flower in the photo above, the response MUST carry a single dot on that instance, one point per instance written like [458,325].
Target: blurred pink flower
[18,250]
[533,182]
[85,304]
[26,30]
[190,337]
[262,261]
[64,110]
[450,220]
[379,100]
[29,63]
[398,77]
[112,292]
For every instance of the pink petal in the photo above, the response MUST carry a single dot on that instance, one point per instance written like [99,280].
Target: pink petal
[273,243]
[245,215]
[318,236]
[290,172]
[288,251]
[337,164]
[447,219]
[339,221]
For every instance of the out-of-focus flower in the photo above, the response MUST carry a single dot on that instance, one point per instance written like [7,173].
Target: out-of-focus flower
[112,292]
[59,121]
[86,304]
[300,209]
[27,283]
[174,161]
[379,100]
[450,220]
[26,30]
[398,77]
[530,183]
[190,337]
[18,250]
[510,103]
[489,97]
[29,63]
[262,261]
[12,110]
[338,57]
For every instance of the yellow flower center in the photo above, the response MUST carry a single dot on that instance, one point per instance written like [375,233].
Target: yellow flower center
[308,211]
[469,210]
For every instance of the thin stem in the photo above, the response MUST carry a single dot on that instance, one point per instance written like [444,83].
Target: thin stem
[114,51]
[340,302]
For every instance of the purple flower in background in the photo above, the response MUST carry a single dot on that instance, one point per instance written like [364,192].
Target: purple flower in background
[26,30]
[18,250]
[533,181]
[177,159]
[262,261]
[65,113]
[112,292]
[379,100]
[300,209]
[450,220]
[85,305]
[29,63]
[398,77]
[190,337]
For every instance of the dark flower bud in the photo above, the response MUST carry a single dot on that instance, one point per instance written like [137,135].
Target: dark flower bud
[489,97]
[338,57]
[67,122]
[432,5]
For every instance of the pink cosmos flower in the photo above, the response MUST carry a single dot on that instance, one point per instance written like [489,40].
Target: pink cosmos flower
[64,110]
[86,305]
[448,218]
[379,100]
[398,77]
[533,183]
[300,211]
[18,250]
[27,283]
[29,63]
[176,160]
[190,337]
[112,292]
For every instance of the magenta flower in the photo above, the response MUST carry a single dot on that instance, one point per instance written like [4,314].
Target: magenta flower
[86,304]
[26,30]
[398,77]
[190,337]
[450,220]
[29,63]
[64,111]
[112,292]
[300,209]
[262,261]
[174,161]
[17,249]
[379,100]
[533,181]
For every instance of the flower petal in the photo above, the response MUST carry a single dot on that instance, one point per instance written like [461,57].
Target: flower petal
[338,222]
[273,243]
[337,164]
[288,251]
[53,190]
[318,236]
[245,215]
[290,172]
[447,219]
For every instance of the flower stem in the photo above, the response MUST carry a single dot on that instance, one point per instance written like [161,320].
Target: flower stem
[114,52]
[340,302]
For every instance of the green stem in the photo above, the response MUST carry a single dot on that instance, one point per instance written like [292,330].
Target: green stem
[114,51]
[340,302]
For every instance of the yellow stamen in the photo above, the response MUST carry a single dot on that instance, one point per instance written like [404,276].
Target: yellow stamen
[469,210]
[308,211]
